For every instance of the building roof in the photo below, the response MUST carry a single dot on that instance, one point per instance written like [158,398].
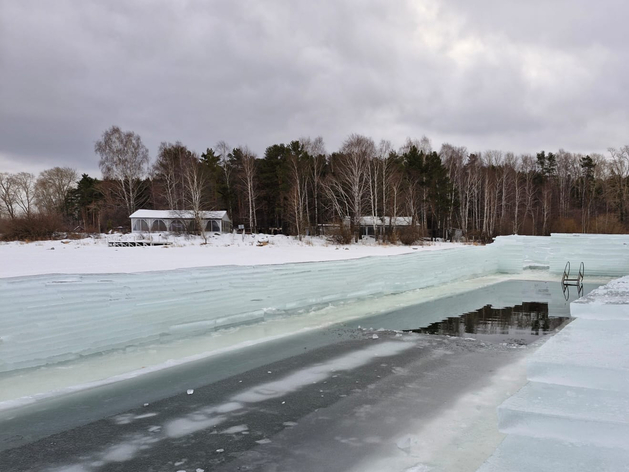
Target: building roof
[178,214]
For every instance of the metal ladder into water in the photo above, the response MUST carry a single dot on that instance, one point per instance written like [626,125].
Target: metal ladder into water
[567,281]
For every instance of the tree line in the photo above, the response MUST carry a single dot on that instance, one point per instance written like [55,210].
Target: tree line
[299,188]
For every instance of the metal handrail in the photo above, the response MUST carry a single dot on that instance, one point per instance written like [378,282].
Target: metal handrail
[567,282]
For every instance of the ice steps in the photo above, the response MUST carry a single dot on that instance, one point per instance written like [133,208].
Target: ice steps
[525,454]
[573,415]
[579,415]
[585,354]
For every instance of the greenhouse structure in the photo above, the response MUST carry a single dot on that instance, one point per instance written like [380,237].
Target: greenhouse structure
[178,221]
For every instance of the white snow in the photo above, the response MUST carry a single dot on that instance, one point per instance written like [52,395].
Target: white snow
[602,254]
[93,256]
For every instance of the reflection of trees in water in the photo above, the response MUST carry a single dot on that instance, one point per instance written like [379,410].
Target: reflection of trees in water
[489,320]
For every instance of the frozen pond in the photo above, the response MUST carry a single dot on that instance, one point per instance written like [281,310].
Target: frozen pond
[350,396]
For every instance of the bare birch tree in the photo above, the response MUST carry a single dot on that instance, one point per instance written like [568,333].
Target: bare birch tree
[8,194]
[315,148]
[246,160]
[223,151]
[170,168]
[528,167]
[453,159]
[395,183]
[352,176]
[124,160]
[24,184]
[196,181]
[298,195]
[619,166]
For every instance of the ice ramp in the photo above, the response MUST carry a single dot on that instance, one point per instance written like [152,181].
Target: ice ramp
[573,415]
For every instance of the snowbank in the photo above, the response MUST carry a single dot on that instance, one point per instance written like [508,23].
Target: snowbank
[93,256]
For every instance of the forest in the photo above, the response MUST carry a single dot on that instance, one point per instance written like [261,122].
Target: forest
[299,188]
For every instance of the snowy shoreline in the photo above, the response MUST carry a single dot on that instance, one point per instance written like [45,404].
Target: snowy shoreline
[93,256]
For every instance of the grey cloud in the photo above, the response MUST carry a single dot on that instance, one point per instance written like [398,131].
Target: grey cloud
[489,74]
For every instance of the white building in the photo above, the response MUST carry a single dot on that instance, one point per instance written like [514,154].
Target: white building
[178,221]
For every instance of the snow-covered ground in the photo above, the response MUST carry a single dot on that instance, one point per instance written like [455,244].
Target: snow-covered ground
[93,256]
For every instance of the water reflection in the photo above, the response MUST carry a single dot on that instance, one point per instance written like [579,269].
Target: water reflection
[521,324]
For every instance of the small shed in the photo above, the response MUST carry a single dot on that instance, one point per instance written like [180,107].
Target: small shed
[178,221]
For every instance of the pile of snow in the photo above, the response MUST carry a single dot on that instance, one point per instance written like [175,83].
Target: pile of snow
[94,256]
[573,415]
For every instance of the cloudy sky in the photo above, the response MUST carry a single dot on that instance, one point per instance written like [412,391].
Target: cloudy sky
[486,74]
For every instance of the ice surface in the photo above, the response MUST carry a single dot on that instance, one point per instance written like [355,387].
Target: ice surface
[48,318]
[573,414]
[602,254]
[517,252]
[210,416]
[184,426]
[610,302]
[525,454]
[52,318]
[236,429]
[586,353]
[320,372]
[206,417]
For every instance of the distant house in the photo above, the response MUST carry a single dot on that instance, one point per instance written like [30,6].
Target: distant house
[366,224]
[178,221]
[382,223]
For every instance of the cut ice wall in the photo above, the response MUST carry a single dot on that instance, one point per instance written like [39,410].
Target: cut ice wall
[46,319]
[602,254]
[517,252]
[51,318]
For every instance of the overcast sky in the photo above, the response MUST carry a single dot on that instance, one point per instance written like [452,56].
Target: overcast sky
[485,74]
